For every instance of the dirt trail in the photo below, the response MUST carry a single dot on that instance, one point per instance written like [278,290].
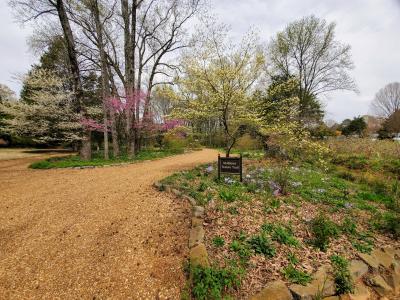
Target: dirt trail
[101,233]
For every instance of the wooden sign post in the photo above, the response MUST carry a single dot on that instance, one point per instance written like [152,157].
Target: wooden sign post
[230,165]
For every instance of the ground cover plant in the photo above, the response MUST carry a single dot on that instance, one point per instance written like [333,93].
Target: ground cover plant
[287,218]
[98,159]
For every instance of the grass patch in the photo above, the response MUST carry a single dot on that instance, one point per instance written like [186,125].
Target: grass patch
[98,160]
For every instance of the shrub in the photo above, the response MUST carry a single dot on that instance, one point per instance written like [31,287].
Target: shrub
[177,139]
[284,236]
[281,234]
[247,142]
[344,283]
[218,241]
[324,230]
[261,244]
[296,276]
[213,282]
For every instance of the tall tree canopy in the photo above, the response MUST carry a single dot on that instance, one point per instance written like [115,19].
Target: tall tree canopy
[128,44]
[308,50]
[217,80]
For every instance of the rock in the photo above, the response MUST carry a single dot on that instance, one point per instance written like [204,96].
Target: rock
[379,285]
[198,256]
[167,188]
[357,269]
[196,236]
[190,199]
[393,279]
[275,290]
[198,211]
[382,258]
[321,284]
[197,222]
[361,292]
[158,185]
[369,260]
[389,250]
[176,192]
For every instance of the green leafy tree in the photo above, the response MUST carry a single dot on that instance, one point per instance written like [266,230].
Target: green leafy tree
[217,82]
[355,126]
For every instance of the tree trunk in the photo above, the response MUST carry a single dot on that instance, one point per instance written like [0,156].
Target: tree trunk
[129,51]
[114,132]
[104,72]
[76,80]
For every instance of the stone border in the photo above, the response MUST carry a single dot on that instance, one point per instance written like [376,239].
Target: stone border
[378,271]
[198,253]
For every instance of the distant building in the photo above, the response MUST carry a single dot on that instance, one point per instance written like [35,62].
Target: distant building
[373,124]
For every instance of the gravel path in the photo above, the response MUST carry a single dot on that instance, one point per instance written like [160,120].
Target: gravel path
[101,233]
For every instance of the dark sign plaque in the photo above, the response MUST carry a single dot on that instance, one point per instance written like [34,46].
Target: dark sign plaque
[230,165]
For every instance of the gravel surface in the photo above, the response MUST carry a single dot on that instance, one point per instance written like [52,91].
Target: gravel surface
[93,233]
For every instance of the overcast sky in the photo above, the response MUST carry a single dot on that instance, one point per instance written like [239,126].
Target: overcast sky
[371,27]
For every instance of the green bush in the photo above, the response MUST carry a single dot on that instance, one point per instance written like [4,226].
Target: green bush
[323,230]
[177,138]
[261,244]
[296,276]
[281,234]
[344,283]
[213,282]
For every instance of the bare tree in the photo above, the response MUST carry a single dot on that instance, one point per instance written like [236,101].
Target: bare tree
[387,100]
[307,49]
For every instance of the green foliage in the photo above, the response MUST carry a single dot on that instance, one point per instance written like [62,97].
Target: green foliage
[343,280]
[218,241]
[296,276]
[213,283]
[355,126]
[323,230]
[388,222]
[293,259]
[261,244]
[281,234]
[241,247]
[349,226]
[177,139]
[231,193]
[247,142]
